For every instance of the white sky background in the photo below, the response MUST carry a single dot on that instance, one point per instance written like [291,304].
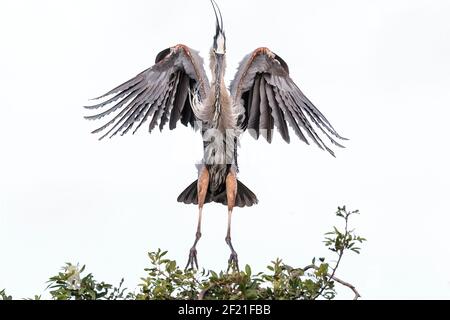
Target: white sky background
[379,71]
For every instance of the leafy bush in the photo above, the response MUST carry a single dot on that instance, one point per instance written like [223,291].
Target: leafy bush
[164,279]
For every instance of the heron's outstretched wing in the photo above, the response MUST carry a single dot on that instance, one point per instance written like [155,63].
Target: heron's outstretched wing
[262,85]
[159,94]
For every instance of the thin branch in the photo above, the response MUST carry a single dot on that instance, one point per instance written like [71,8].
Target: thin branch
[202,294]
[340,254]
[338,280]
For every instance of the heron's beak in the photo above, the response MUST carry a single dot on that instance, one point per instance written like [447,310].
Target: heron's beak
[219,38]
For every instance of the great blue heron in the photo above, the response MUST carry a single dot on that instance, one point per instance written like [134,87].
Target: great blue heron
[176,89]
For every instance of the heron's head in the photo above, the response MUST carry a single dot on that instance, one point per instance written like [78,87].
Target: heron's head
[219,45]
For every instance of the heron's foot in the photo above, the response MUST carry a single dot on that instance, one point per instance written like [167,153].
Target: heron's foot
[192,262]
[233,262]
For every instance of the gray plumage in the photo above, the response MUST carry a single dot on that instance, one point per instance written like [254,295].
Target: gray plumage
[158,94]
[261,96]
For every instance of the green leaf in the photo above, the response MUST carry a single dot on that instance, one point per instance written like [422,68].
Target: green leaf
[248,270]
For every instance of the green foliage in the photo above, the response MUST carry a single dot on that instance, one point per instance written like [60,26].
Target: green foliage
[164,279]
[281,282]
[4,296]
[69,284]
[338,241]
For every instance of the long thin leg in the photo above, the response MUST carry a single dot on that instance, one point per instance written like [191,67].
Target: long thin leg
[231,186]
[202,188]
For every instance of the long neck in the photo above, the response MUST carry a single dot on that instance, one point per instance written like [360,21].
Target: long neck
[217,70]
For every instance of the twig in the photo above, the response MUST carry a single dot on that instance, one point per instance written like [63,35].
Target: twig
[332,276]
[340,254]
[202,294]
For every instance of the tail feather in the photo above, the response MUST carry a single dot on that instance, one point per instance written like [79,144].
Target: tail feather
[189,195]
[244,197]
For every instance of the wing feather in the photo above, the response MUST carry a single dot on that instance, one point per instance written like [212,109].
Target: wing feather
[289,113]
[169,102]
[278,102]
[124,86]
[159,94]
[277,113]
[253,112]
[159,108]
[266,119]
[180,97]
[117,106]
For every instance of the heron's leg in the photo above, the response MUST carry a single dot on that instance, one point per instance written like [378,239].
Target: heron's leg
[231,186]
[202,188]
